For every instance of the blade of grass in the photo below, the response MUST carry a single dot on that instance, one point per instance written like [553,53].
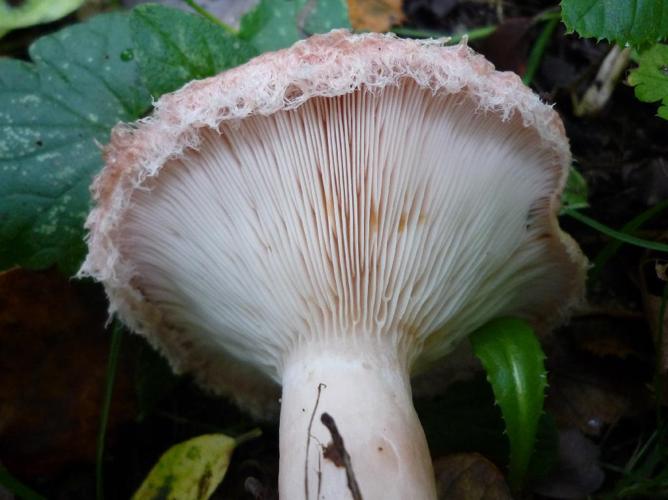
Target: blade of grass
[548,15]
[608,231]
[536,55]
[205,13]
[658,378]
[17,487]
[474,34]
[112,366]
[613,247]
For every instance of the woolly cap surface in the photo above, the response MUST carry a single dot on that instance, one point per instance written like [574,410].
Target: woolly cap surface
[349,186]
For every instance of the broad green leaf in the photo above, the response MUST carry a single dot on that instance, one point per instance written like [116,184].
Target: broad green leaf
[53,114]
[31,12]
[173,47]
[192,469]
[633,22]
[275,24]
[514,362]
[575,192]
[546,450]
[650,78]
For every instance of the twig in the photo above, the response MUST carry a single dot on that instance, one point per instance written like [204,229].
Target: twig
[336,452]
[599,92]
[308,440]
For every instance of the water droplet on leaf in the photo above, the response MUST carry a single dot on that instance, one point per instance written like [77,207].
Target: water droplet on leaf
[127,55]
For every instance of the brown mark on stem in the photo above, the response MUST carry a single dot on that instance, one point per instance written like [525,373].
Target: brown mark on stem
[321,386]
[336,452]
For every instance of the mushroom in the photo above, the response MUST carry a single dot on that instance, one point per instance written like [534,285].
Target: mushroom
[331,218]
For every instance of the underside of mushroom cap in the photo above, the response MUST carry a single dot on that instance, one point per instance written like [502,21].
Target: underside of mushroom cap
[282,237]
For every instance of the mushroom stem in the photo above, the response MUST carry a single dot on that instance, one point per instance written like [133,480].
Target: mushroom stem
[349,430]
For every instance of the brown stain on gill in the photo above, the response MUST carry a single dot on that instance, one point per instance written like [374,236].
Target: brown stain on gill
[373,220]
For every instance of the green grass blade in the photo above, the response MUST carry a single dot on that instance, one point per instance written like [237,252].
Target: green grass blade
[112,367]
[613,247]
[17,487]
[618,235]
[658,376]
[536,55]
[474,34]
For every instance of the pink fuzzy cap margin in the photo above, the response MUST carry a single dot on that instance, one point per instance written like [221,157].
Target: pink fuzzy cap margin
[326,65]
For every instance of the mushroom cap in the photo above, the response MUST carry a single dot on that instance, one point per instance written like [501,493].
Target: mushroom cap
[431,211]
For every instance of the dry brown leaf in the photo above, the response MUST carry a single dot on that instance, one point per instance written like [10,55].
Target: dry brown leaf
[589,400]
[53,359]
[607,344]
[375,15]
[508,46]
[469,476]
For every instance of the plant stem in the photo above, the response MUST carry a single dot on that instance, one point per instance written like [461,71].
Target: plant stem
[205,13]
[658,378]
[247,436]
[474,34]
[112,366]
[538,50]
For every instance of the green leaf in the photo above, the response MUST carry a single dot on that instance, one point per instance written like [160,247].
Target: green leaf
[575,193]
[546,451]
[633,22]
[174,47]
[275,24]
[650,78]
[513,360]
[32,12]
[52,114]
[192,469]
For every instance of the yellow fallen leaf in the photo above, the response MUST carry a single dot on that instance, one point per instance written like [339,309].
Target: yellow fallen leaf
[375,15]
[191,470]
